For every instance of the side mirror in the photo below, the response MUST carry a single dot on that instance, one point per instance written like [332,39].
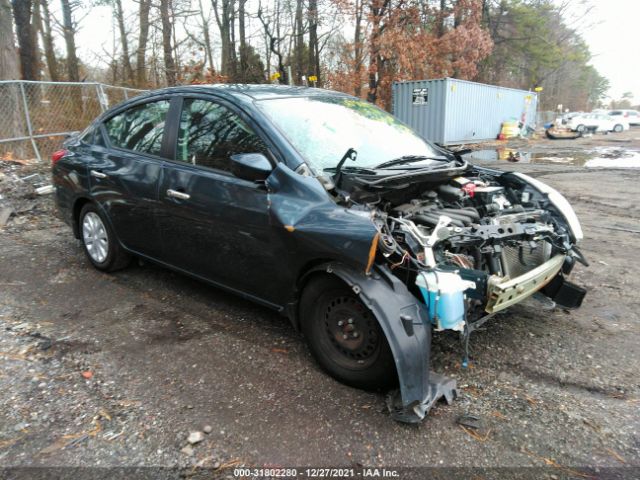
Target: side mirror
[251,166]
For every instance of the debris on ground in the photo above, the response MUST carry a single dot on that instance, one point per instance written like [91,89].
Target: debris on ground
[195,437]
[25,193]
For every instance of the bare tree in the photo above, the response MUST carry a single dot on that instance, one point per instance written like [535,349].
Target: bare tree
[357,47]
[169,62]
[42,23]
[244,49]
[224,12]
[314,52]
[141,52]
[273,37]
[299,42]
[126,60]
[9,69]
[44,27]
[22,10]
[69,29]
[206,37]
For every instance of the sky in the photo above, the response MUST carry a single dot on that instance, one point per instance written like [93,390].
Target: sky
[614,41]
[611,29]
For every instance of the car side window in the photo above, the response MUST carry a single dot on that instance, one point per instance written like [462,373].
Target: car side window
[210,133]
[139,128]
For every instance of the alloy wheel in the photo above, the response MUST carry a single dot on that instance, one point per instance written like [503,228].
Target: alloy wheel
[94,235]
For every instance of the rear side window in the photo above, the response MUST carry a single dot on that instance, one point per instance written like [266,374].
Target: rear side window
[210,133]
[139,128]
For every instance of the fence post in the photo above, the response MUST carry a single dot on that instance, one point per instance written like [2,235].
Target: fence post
[102,97]
[27,117]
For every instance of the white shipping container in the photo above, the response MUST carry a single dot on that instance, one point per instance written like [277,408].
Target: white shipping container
[451,111]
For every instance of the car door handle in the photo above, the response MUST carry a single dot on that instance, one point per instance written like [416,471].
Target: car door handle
[98,174]
[178,195]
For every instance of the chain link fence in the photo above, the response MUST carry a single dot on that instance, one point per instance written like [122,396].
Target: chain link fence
[36,116]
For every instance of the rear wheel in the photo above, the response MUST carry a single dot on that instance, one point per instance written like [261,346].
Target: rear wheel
[100,244]
[618,128]
[345,337]
[580,128]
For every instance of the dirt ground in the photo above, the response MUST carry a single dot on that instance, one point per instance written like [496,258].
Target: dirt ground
[117,370]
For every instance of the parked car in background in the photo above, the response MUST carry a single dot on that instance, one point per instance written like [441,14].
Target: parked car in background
[325,208]
[632,116]
[597,122]
[562,120]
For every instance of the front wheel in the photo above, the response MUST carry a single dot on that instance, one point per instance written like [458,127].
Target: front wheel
[100,244]
[345,337]
[580,128]
[618,128]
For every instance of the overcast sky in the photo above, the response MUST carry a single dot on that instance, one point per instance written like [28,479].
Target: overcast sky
[614,40]
[612,32]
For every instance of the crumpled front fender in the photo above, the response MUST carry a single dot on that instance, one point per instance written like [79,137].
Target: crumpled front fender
[406,326]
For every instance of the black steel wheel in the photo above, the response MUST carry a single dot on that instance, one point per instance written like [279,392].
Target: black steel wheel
[344,336]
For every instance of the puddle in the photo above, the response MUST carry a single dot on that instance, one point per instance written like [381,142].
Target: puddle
[600,157]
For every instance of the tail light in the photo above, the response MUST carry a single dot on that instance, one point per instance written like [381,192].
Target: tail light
[57,155]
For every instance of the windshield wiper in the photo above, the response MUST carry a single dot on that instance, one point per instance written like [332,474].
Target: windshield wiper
[349,168]
[403,160]
[350,154]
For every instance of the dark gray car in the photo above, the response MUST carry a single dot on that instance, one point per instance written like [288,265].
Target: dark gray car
[325,208]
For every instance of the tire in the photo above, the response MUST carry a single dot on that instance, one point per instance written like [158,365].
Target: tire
[330,311]
[100,243]
[580,128]
[618,128]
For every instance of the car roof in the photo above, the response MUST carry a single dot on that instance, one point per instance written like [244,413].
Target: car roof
[253,91]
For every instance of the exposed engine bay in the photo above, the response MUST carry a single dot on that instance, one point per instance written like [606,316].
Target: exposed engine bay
[471,245]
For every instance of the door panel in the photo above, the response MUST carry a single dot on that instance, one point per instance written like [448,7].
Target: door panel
[221,231]
[126,187]
[124,177]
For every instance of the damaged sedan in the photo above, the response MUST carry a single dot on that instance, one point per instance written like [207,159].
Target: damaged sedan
[327,209]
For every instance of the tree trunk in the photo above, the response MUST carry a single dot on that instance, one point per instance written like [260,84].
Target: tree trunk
[70,40]
[441,24]
[126,61]
[357,51]
[36,23]
[47,41]
[143,15]
[28,55]
[169,64]
[207,38]
[9,69]
[244,62]
[299,44]
[224,19]
[378,10]
[314,60]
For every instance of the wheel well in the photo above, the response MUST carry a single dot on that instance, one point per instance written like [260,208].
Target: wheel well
[306,274]
[77,208]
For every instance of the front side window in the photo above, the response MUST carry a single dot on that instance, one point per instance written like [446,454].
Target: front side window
[210,133]
[139,128]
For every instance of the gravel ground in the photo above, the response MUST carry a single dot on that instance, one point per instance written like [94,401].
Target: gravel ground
[123,370]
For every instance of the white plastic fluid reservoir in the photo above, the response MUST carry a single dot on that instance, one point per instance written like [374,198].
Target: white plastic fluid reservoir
[443,294]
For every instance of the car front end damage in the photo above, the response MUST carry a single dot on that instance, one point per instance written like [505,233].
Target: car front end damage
[452,249]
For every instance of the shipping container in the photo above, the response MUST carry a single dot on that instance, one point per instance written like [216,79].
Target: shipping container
[451,111]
